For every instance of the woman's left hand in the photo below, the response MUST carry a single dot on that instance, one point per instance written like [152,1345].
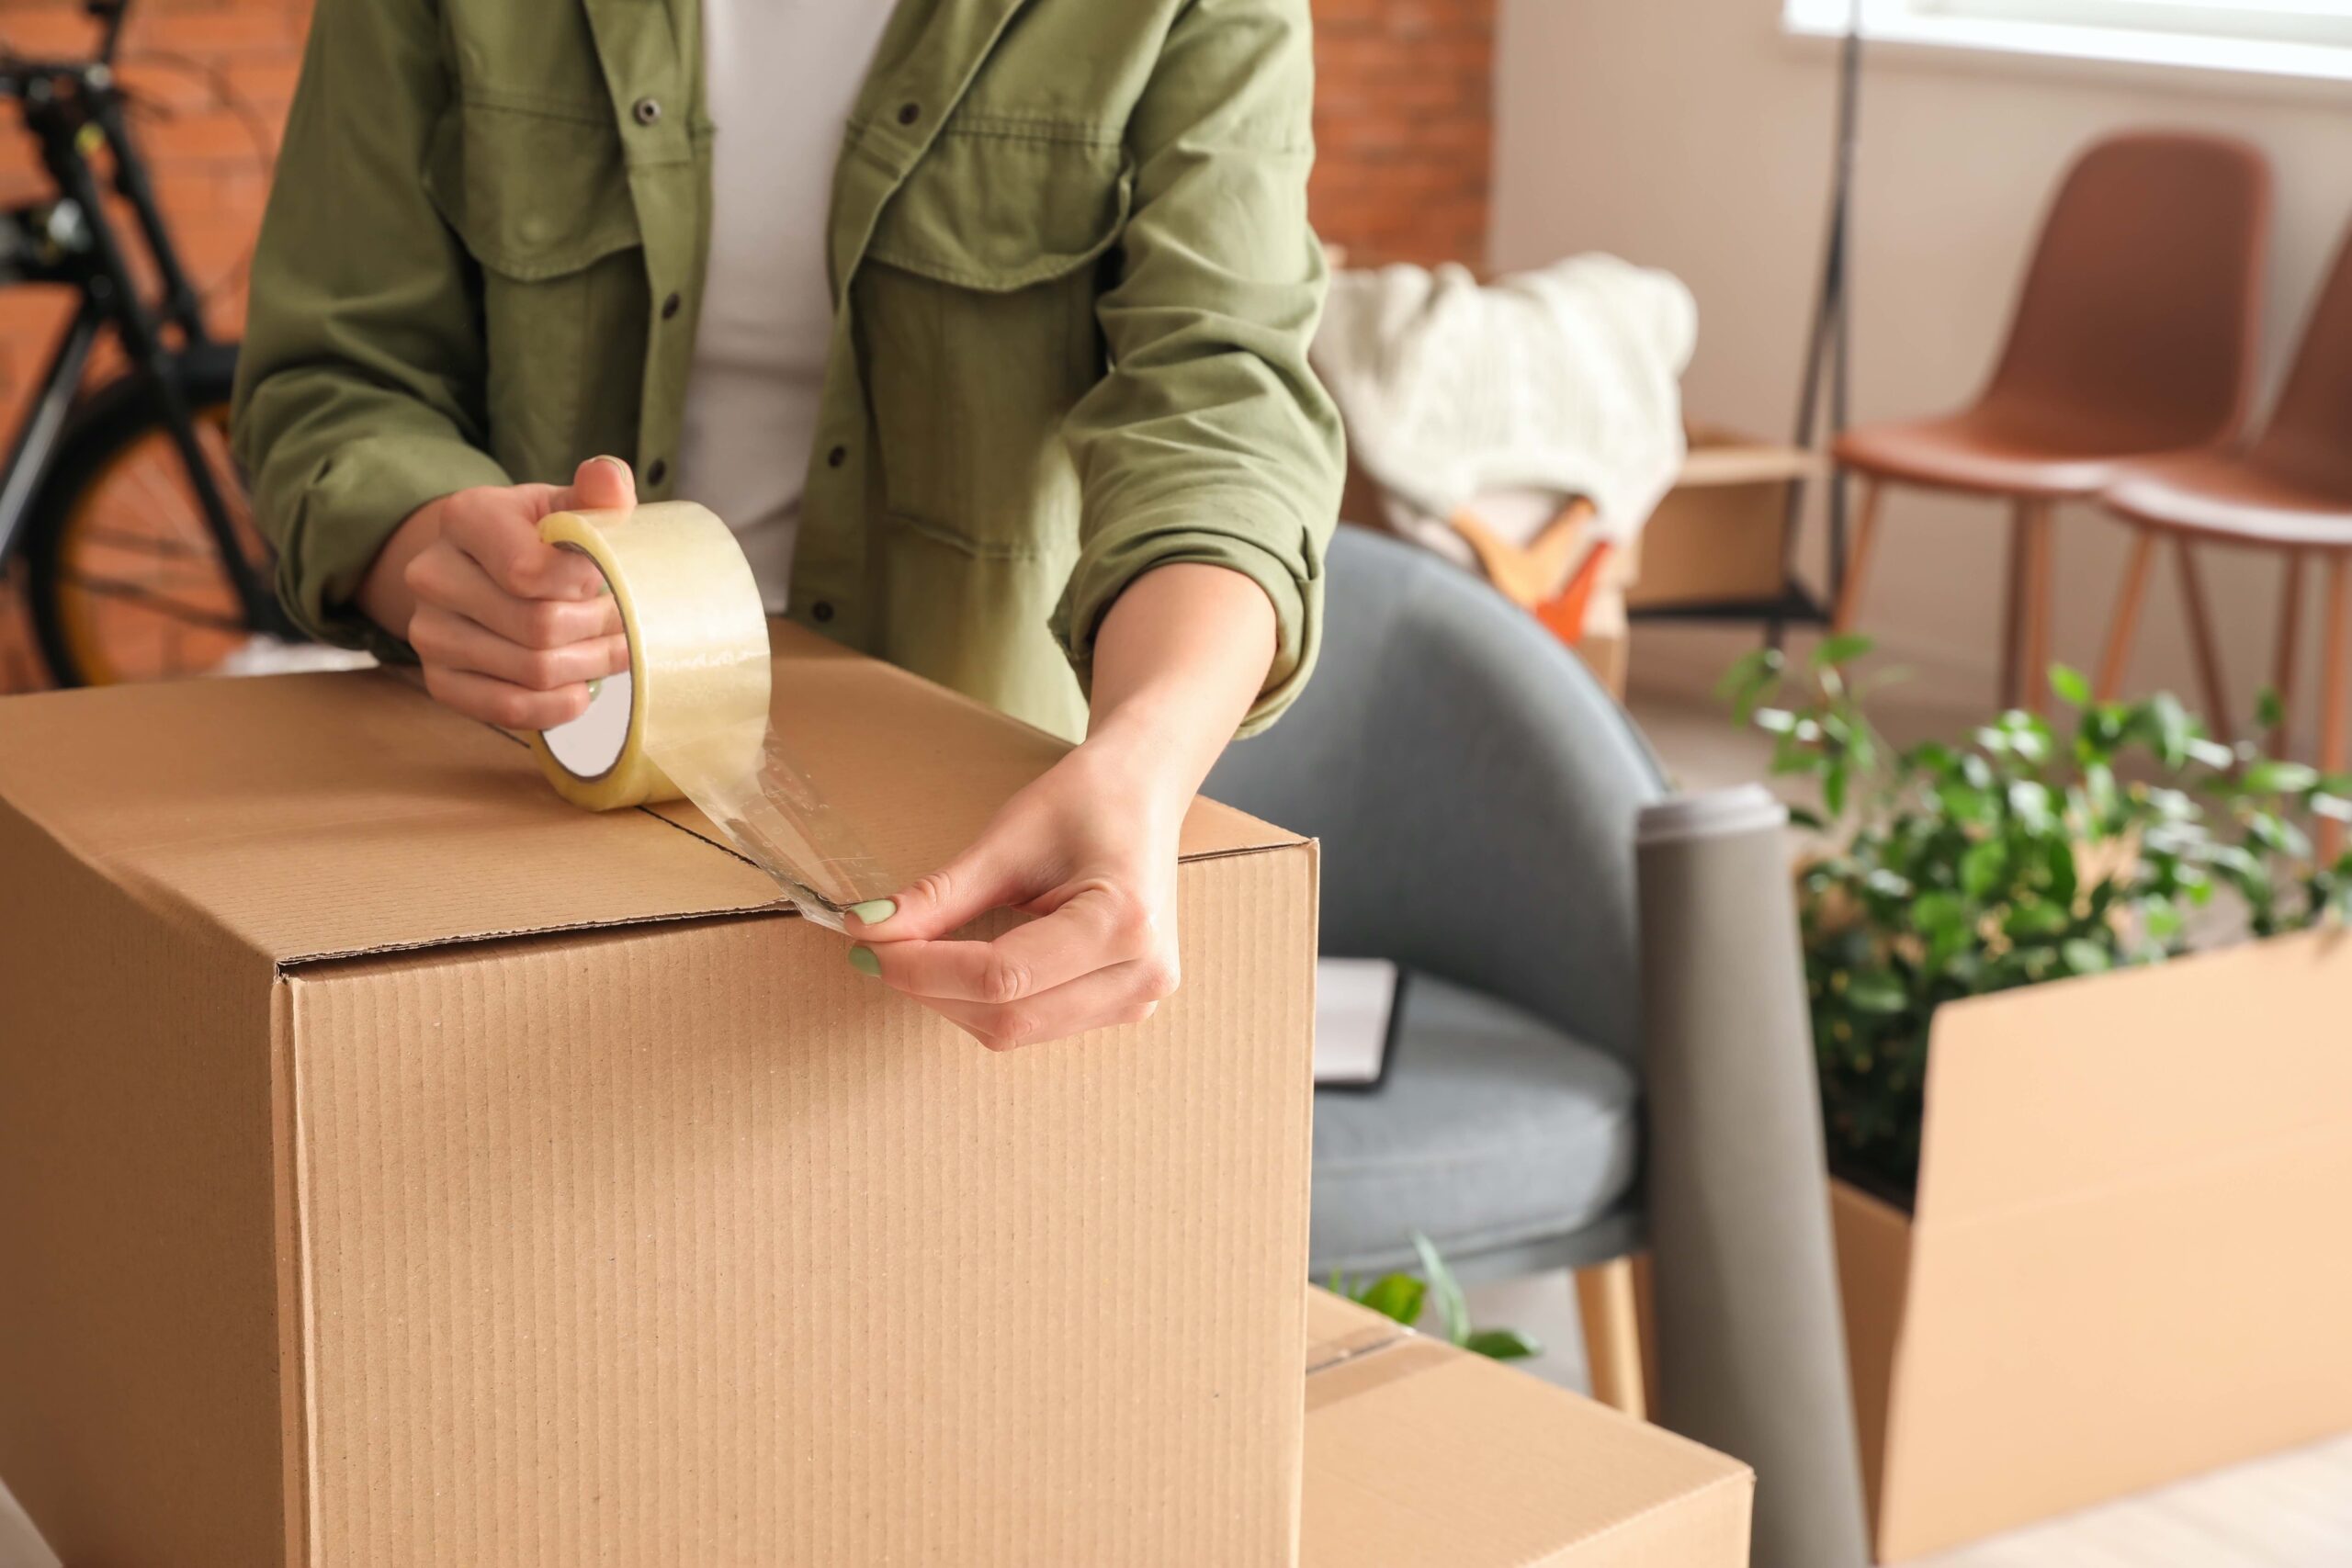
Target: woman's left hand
[1089,848]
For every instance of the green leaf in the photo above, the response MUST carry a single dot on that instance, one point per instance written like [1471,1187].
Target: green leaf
[2274,776]
[1843,648]
[2026,922]
[1395,1296]
[2173,729]
[2269,709]
[1984,867]
[2084,956]
[1501,1345]
[2071,687]
[1876,991]
[1452,1312]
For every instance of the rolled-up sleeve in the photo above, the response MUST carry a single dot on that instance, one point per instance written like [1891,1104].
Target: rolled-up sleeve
[1209,439]
[359,385]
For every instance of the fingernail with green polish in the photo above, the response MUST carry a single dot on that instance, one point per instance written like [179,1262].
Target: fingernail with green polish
[874,911]
[862,959]
[595,688]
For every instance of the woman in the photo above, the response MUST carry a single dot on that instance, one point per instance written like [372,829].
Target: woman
[983,322]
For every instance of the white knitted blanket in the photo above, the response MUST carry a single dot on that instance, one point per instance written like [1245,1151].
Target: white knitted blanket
[1547,385]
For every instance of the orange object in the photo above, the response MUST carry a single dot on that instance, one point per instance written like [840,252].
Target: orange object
[1565,613]
[1528,574]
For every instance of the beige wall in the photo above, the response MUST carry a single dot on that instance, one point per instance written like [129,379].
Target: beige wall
[1694,135]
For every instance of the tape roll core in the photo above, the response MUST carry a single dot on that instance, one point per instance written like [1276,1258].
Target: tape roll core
[697,692]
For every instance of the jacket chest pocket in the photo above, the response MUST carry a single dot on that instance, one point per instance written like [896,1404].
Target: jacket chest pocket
[541,203]
[976,316]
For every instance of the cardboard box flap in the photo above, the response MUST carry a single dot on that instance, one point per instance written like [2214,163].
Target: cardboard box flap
[2090,1085]
[1418,1452]
[324,815]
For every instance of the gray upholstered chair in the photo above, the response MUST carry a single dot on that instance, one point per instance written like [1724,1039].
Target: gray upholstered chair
[1475,794]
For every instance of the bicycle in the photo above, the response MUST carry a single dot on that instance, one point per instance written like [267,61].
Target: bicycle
[140,557]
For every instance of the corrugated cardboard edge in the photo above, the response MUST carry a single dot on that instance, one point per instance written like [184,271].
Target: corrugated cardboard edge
[1874,1240]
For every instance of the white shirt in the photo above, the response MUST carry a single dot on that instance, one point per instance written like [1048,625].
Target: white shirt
[781,76]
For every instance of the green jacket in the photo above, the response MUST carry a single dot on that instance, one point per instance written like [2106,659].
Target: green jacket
[1074,283]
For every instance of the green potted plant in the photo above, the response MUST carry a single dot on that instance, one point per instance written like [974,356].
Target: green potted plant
[2082,1007]
[1401,1298]
[2029,851]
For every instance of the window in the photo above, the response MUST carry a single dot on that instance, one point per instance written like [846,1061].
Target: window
[2282,21]
[2290,38]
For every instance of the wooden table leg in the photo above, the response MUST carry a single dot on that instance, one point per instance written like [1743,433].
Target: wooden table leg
[1857,561]
[2201,640]
[2335,690]
[2282,669]
[2117,664]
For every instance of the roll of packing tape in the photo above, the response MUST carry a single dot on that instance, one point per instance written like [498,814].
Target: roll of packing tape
[694,701]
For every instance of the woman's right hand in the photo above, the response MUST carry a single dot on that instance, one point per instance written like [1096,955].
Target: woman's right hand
[510,629]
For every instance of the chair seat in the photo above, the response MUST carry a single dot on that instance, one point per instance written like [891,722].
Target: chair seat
[1490,1129]
[2233,501]
[1988,452]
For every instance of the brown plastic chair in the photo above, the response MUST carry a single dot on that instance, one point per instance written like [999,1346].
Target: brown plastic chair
[2134,333]
[2290,492]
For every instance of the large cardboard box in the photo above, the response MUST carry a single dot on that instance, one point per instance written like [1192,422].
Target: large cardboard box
[1418,1453]
[398,1167]
[2127,1261]
[1715,539]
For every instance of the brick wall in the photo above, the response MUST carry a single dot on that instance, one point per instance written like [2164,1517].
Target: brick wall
[1404,129]
[1402,121]
[213,78]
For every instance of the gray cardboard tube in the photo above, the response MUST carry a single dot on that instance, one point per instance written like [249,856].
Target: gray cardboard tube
[1751,1349]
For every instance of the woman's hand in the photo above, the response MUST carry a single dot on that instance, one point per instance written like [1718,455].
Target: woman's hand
[1089,848]
[509,628]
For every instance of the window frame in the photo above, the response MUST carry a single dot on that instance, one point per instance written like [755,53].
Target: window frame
[2107,32]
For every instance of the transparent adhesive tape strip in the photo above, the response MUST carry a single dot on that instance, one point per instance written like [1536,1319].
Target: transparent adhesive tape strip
[689,718]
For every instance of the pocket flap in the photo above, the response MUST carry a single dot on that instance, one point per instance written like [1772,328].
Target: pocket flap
[998,213]
[533,195]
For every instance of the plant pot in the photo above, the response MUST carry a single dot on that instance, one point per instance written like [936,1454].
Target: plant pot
[2130,1258]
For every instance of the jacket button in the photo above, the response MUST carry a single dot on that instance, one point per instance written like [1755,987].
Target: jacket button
[657,470]
[837,457]
[910,113]
[670,307]
[822,610]
[646,110]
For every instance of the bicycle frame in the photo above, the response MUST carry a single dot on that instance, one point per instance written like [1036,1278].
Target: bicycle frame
[72,109]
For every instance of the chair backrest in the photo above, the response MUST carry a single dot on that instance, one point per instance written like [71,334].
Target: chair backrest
[2138,315]
[1473,789]
[2309,438]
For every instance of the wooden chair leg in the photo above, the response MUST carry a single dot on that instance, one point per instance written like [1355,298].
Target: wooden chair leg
[2335,690]
[1645,1320]
[2035,611]
[1613,1336]
[2117,664]
[2200,641]
[2282,668]
[2013,604]
[1857,561]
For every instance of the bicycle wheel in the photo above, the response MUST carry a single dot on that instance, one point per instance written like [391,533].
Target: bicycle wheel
[124,580]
